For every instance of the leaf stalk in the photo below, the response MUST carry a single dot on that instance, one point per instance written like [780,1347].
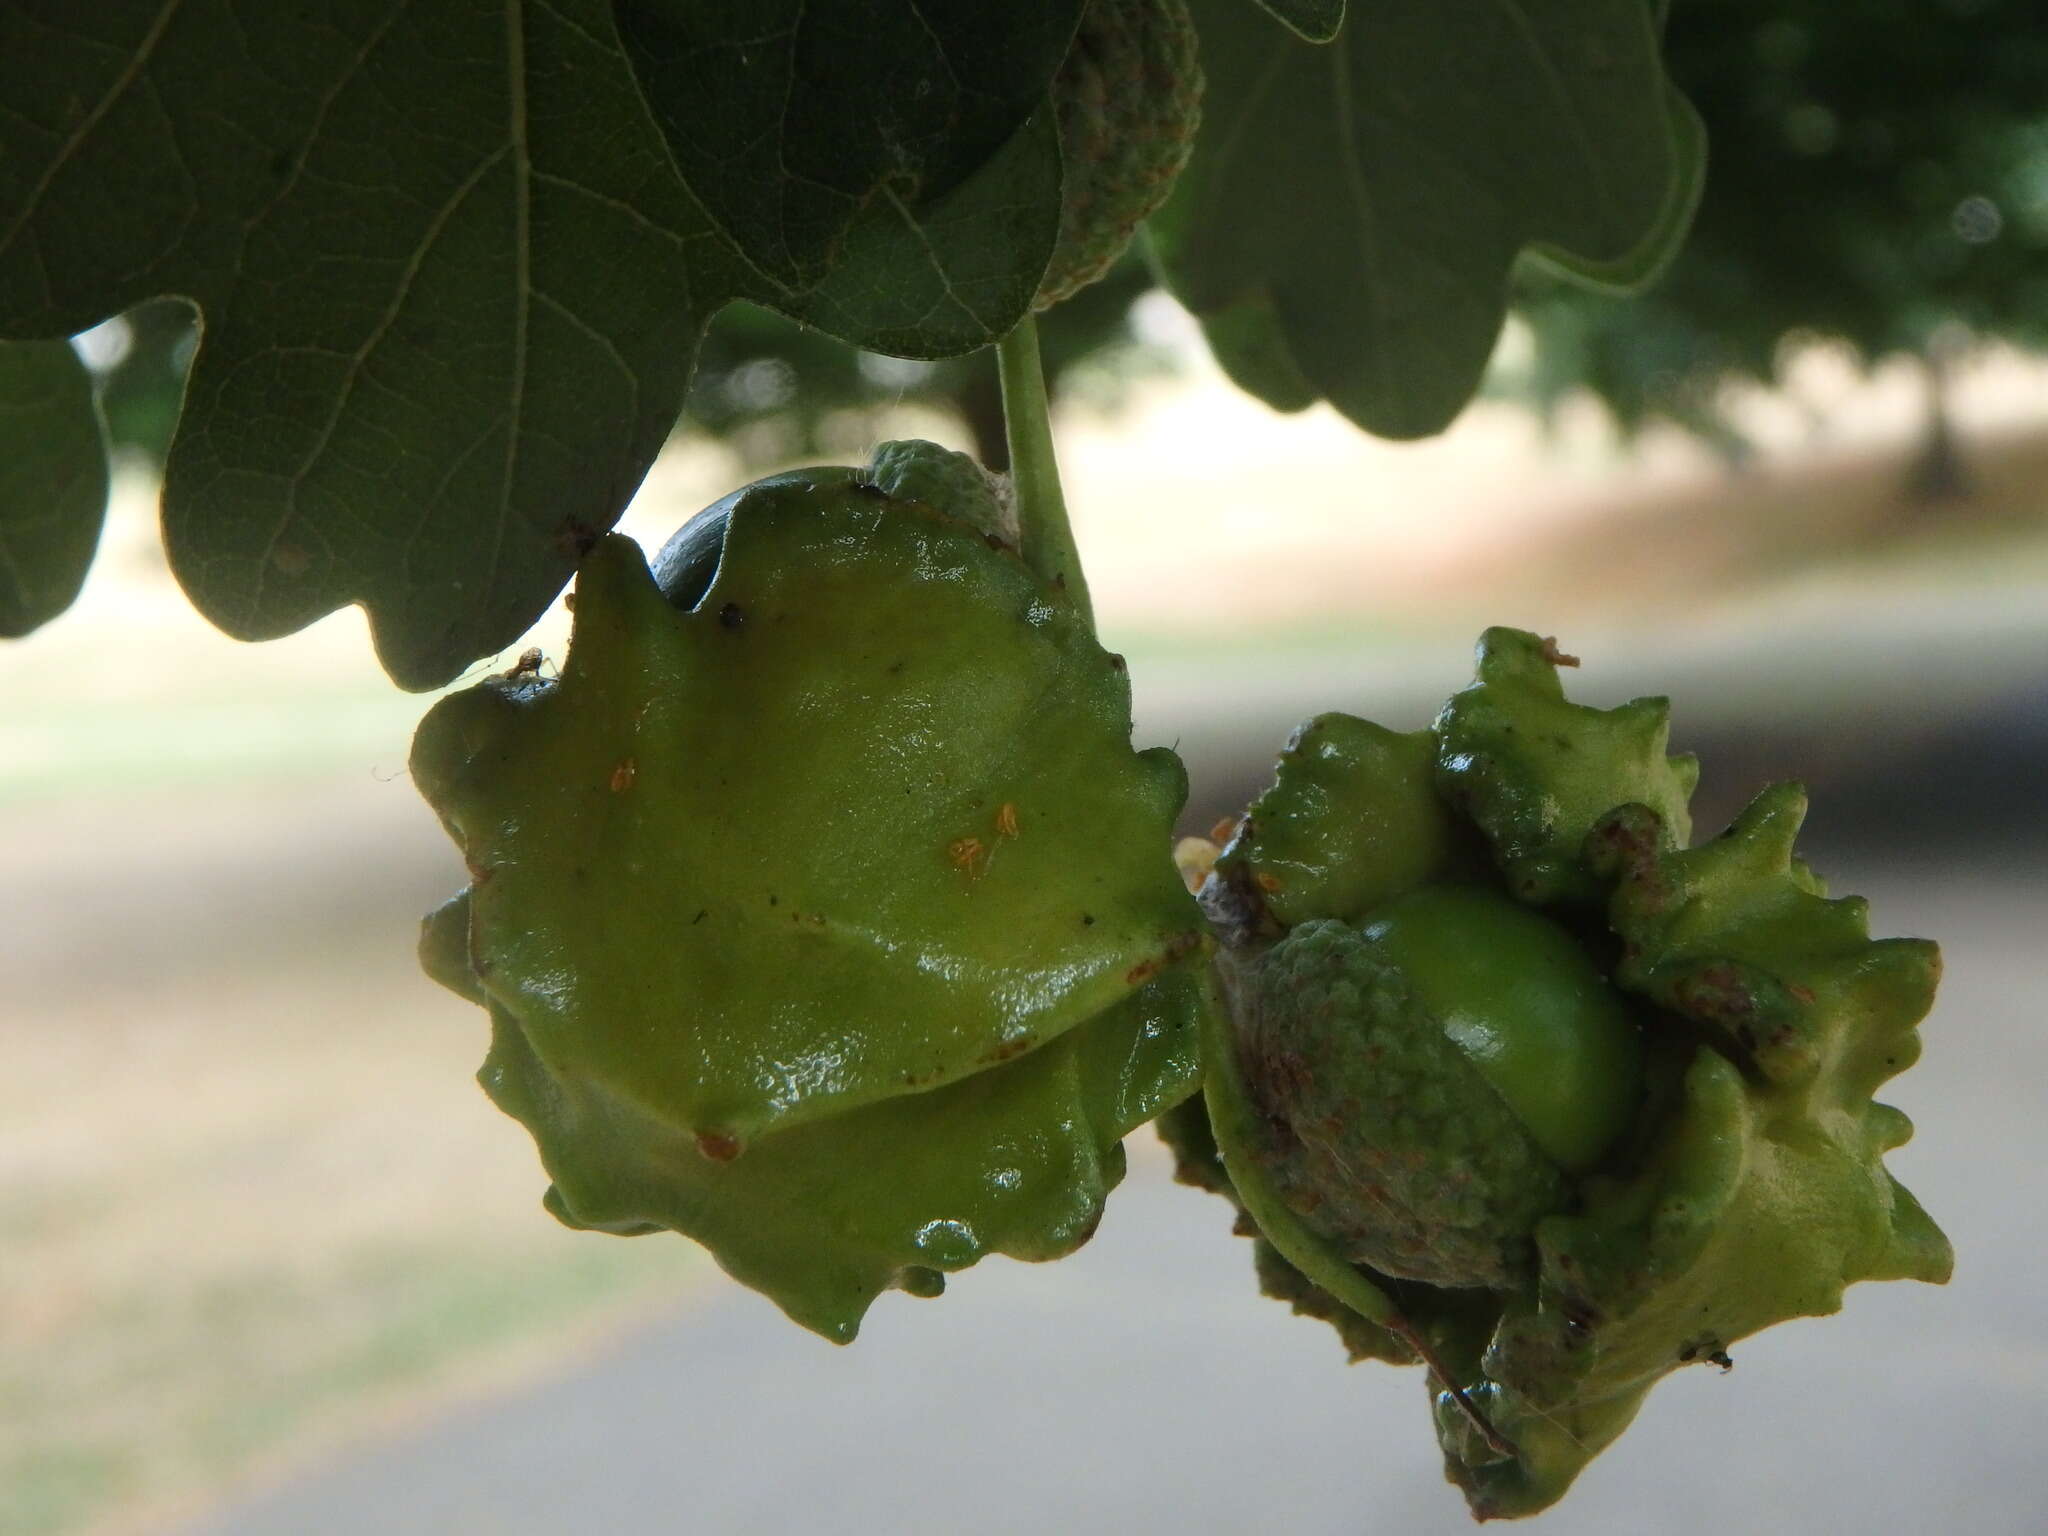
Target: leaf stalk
[1045,536]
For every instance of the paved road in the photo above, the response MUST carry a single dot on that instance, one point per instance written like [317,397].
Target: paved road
[1141,1386]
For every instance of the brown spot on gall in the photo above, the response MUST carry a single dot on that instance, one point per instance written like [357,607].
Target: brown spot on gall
[718,1146]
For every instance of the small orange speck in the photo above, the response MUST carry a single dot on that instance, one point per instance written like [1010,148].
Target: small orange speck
[1223,831]
[965,853]
[1554,656]
[1006,820]
[622,776]
[1266,881]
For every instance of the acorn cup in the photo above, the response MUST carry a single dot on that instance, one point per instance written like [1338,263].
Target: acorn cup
[821,907]
[1507,1080]
[1127,100]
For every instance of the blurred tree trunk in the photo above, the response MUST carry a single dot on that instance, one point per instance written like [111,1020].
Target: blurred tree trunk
[1940,473]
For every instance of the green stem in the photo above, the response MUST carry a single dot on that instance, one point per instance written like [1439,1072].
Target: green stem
[1045,536]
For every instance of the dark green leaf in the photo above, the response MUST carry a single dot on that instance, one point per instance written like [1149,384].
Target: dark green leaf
[1316,20]
[451,289]
[945,278]
[53,481]
[452,285]
[1251,348]
[1644,265]
[1372,195]
[796,122]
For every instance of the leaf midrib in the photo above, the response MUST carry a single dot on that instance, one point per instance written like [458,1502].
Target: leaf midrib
[517,147]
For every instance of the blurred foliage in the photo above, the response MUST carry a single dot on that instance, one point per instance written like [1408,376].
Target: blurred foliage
[1878,173]
[775,390]
[141,363]
[779,392]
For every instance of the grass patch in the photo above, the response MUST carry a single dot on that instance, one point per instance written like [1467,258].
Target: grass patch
[153,1396]
[251,1200]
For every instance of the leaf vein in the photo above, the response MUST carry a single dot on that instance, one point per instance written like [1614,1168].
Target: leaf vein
[400,289]
[1547,70]
[339,84]
[522,257]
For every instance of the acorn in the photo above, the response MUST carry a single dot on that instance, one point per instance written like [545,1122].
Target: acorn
[1127,98]
[1434,1075]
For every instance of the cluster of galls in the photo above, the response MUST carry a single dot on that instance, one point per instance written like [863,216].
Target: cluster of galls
[1515,1083]
[822,911]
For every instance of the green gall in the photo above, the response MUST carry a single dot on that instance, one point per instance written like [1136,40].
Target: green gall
[762,1005]
[1016,1160]
[1353,818]
[1683,1042]
[1533,771]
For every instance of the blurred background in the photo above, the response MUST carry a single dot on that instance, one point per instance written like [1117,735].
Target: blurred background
[269,1263]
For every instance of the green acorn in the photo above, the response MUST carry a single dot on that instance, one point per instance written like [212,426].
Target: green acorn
[1510,1081]
[850,1029]
[1436,1073]
[1128,97]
